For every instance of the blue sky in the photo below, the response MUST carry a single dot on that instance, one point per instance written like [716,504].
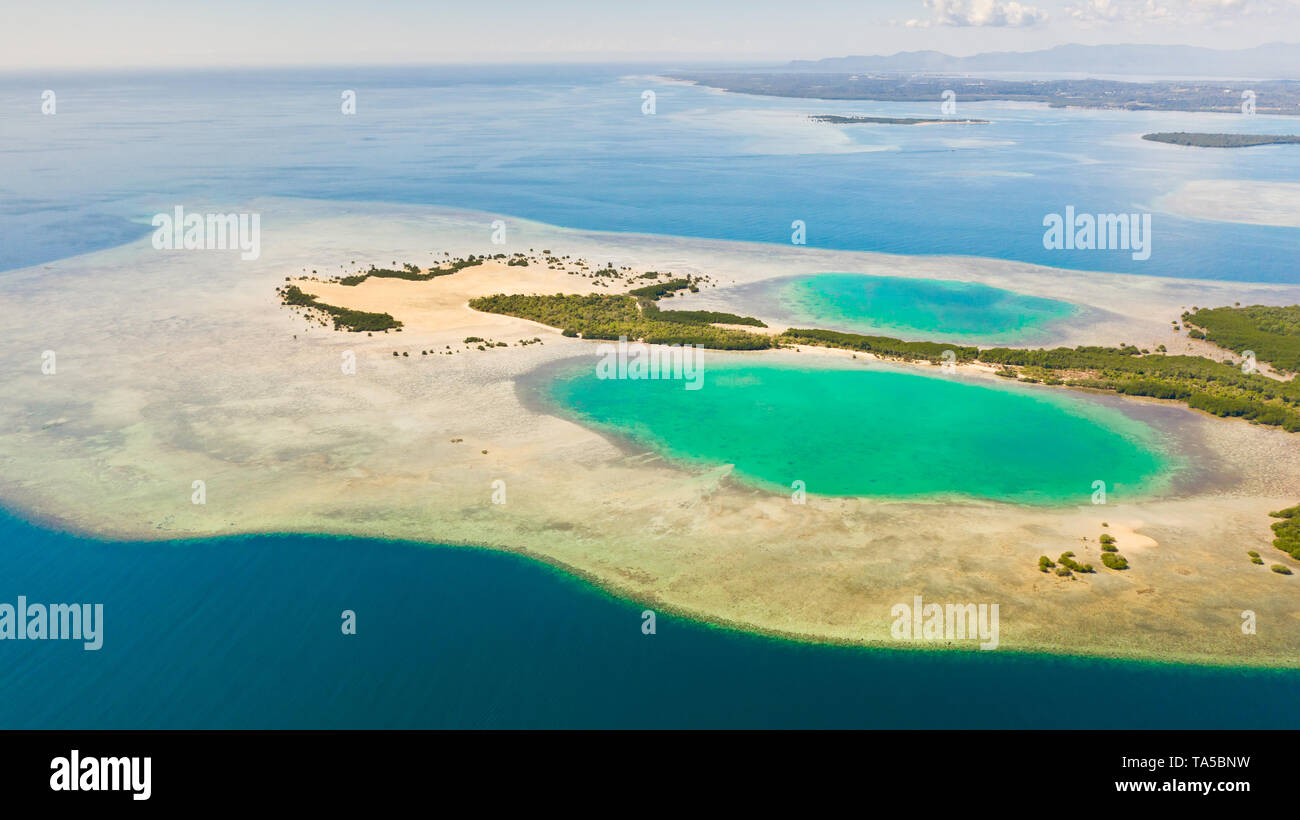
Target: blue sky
[76,33]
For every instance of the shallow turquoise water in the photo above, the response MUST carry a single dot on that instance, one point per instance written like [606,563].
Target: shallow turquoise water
[244,632]
[920,308]
[877,432]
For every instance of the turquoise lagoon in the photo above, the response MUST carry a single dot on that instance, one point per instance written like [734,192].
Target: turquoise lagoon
[877,431]
[919,308]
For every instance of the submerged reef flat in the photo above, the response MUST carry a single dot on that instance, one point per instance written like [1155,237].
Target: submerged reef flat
[177,368]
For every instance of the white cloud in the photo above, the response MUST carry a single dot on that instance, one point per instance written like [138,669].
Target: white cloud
[979,13]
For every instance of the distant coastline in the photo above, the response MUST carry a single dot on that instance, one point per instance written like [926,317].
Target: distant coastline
[1227,97]
[839,120]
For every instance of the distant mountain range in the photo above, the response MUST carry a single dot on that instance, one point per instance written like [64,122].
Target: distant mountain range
[1269,61]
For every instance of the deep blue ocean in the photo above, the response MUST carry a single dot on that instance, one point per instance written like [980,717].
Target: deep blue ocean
[245,632]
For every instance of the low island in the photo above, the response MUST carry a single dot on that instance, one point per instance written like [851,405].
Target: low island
[1221,140]
[391,393]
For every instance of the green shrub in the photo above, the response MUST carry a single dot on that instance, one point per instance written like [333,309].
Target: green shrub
[344,318]
[1114,561]
[697,317]
[880,345]
[660,290]
[1281,569]
[1067,560]
[411,272]
[1287,530]
[610,316]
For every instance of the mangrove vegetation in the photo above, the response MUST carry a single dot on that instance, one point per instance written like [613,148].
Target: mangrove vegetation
[1273,333]
[611,316]
[344,318]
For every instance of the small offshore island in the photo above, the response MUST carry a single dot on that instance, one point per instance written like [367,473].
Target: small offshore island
[1222,140]
[1217,386]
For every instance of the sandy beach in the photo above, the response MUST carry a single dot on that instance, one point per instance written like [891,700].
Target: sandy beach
[176,367]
